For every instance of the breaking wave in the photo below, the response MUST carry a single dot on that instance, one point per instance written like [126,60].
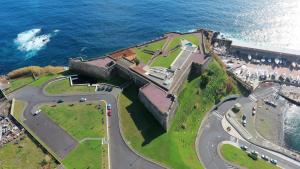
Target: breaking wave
[32,41]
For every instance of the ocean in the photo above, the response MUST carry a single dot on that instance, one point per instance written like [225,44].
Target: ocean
[43,32]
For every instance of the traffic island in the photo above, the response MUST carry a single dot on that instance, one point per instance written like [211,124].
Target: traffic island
[242,159]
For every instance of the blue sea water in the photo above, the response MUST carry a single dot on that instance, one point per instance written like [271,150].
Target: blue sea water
[43,32]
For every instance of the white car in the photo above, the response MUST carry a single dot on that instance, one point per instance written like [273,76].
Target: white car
[36,112]
[83,99]
[273,161]
[265,157]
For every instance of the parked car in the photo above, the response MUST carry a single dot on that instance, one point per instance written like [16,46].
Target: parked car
[254,152]
[109,107]
[244,147]
[253,112]
[36,112]
[60,101]
[265,157]
[83,99]
[109,89]
[101,88]
[109,112]
[273,161]
[244,122]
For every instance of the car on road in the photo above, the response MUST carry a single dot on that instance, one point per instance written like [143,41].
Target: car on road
[109,107]
[253,110]
[36,112]
[60,101]
[109,112]
[244,147]
[109,89]
[101,88]
[254,152]
[265,157]
[83,99]
[273,161]
[244,122]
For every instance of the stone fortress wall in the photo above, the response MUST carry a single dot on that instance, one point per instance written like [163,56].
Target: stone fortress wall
[121,67]
[78,65]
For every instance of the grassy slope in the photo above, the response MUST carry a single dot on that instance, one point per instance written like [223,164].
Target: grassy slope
[19,109]
[86,155]
[80,120]
[152,46]
[63,87]
[166,61]
[239,157]
[175,148]
[41,80]
[26,154]
[20,82]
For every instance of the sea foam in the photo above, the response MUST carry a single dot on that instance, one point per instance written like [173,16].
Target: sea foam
[32,41]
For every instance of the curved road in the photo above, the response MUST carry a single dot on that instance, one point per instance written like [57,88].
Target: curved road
[212,134]
[61,143]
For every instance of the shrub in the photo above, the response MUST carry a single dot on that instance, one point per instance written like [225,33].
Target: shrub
[34,70]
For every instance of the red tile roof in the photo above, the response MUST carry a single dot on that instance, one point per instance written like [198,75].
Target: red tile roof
[102,62]
[198,58]
[138,69]
[129,54]
[157,96]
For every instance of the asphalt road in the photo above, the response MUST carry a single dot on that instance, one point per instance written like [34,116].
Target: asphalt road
[213,134]
[61,143]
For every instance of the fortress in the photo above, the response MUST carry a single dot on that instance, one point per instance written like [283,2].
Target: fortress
[158,85]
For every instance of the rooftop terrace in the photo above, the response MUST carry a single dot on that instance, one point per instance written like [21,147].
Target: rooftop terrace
[101,62]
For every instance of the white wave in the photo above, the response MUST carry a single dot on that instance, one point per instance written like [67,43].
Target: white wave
[192,30]
[26,36]
[31,41]
[35,44]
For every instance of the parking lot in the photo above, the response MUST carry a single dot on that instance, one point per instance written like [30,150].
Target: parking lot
[252,72]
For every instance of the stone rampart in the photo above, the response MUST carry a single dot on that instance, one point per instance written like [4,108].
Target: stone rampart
[81,67]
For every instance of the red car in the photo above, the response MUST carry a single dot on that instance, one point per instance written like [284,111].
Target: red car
[109,112]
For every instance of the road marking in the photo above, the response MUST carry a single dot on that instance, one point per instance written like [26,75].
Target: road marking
[228,166]
[252,97]
[217,115]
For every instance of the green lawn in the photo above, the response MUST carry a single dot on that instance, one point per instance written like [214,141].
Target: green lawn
[176,148]
[152,46]
[41,80]
[18,83]
[64,87]
[176,41]
[86,155]
[81,120]
[237,156]
[25,154]
[19,108]
[166,62]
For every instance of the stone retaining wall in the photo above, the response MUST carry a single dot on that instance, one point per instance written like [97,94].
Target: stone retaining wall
[245,51]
